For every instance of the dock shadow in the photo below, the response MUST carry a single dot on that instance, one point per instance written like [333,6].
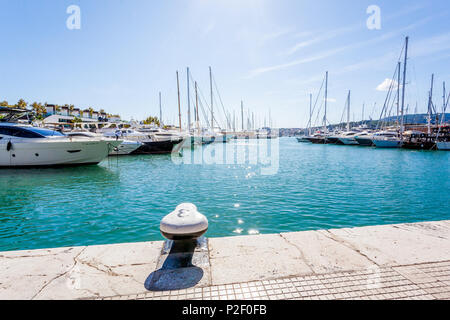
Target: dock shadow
[177,272]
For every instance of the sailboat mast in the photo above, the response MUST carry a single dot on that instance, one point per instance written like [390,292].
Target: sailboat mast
[179,103]
[443,101]
[326,98]
[348,111]
[404,85]
[212,100]
[196,108]
[160,110]
[398,91]
[430,101]
[362,119]
[310,114]
[242,114]
[189,102]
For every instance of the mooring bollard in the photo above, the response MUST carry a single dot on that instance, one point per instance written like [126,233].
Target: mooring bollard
[184,223]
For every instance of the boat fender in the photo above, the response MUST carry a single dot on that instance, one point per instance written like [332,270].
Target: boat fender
[9,146]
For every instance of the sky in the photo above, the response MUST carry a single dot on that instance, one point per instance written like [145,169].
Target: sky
[269,54]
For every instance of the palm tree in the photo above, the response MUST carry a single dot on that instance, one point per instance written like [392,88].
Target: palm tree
[21,104]
[71,107]
[152,120]
[3,103]
[91,111]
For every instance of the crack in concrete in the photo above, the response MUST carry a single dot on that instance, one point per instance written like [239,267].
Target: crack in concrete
[60,275]
[302,255]
[411,227]
[96,265]
[49,254]
[335,238]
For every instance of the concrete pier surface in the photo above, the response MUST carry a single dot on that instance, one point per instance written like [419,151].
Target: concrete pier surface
[405,261]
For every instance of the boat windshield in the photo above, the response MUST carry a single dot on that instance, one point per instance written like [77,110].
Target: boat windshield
[45,132]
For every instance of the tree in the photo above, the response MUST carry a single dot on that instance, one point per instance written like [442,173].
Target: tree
[3,103]
[39,110]
[71,108]
[91,111]
[21,104]
[152,120]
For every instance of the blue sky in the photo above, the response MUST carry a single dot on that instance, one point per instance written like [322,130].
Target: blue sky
[271,54]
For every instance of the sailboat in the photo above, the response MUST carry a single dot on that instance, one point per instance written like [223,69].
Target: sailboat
[397,141]
[321,137]
[305,138]
[348,138]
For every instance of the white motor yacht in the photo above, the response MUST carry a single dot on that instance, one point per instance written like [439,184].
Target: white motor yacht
[126,147]
[348,138]
[26,146]
[387,139]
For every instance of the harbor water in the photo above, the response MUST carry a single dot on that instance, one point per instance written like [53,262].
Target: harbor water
[123,199]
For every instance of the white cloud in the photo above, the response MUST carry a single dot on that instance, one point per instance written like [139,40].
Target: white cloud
[321,38]
[387,84]
[326,54]
[275,35]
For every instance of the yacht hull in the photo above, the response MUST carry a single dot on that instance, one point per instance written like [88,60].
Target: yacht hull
[125,148]
[366,142]
[159,147]
[332,140]
[348,141]
[443,145]
[428,145]
[387,143]
[303,139]
[54,153]
[317,140]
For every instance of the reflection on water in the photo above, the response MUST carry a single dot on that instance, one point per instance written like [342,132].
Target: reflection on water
[124,198]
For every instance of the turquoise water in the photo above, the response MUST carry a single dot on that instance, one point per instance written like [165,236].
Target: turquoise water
[317,187]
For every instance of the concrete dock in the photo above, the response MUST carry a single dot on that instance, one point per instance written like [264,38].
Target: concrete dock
[405,261]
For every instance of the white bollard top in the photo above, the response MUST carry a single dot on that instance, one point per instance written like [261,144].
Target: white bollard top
[184,221]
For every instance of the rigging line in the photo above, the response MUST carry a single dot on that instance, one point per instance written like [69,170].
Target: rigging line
[205,117]
[373,111]
[315,104]
[201,102]
[343,112]
[318,112]
[207,105]
[220,99]
[383,110]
